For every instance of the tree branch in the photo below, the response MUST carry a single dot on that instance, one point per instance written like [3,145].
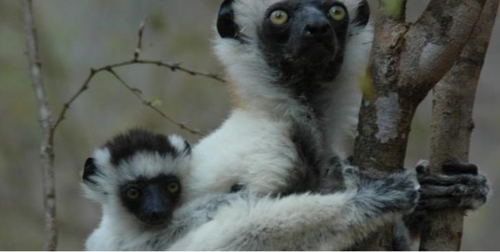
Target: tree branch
[436,40]
[150,104]
[138,48]
[407,61]
[390,27]
[452,126]
[46,148]
[110,68]
[93,72]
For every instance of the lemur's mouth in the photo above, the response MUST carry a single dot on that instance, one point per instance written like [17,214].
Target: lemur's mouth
[318,51]
[156,224]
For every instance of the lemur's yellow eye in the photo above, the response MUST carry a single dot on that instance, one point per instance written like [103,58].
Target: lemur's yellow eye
[337,13]
[173,187]
[133,193]
[279,17]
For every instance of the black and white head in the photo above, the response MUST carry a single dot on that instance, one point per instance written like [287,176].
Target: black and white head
[282,44]
[138,173]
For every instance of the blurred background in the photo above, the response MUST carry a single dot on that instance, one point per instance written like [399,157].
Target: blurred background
[77,35]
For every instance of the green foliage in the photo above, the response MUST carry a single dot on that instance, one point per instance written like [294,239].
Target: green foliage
[394,9]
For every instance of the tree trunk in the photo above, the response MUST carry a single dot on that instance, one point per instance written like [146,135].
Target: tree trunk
[452,125]
[407,61]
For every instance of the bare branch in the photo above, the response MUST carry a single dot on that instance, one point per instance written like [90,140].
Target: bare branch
[46,148]
[150,104]
[436,40]
[407,61]
[67,105]
[178,67]
[110,68]
[93,72]
[452,125]
[138,48]
[401,54]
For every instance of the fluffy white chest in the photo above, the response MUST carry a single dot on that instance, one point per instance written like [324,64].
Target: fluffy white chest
[252,149]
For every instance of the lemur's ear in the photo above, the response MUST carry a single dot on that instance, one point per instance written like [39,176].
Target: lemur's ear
[362,14]
[88,170]
[187,148]
[226,27]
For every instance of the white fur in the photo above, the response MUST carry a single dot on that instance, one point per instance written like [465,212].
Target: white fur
[250,222]
[295,222]
[345,94]
[148,165]
[253,143]
[252,78]
[251,148]
[117,223]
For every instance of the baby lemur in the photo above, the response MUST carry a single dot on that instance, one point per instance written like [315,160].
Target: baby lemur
[140,178]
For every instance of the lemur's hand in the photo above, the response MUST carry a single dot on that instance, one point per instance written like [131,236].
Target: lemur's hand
[459,187]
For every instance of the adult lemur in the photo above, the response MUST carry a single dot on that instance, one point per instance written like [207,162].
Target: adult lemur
[139,179]
[293,67]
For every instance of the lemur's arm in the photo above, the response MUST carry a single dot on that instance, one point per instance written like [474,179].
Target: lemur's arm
[460,187]
[307,221]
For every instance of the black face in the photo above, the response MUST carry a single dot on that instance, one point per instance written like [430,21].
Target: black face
[305,39]
[152,201]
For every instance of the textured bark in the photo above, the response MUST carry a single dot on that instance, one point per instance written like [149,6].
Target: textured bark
[407,61]
[452,125]
[46,146]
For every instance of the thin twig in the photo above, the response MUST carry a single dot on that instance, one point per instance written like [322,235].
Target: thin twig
[150,104]
[46,148]
[110,68]
[138,48]
[67,105]
[93,72]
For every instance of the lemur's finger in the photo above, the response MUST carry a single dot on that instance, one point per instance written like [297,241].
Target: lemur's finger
[444,180]
[451,167]
[463,203]
[458,190]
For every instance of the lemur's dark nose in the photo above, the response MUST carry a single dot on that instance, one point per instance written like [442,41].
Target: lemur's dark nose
[317,27]
[157,217]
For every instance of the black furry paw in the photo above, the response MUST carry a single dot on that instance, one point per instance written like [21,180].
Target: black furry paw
[459,187]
